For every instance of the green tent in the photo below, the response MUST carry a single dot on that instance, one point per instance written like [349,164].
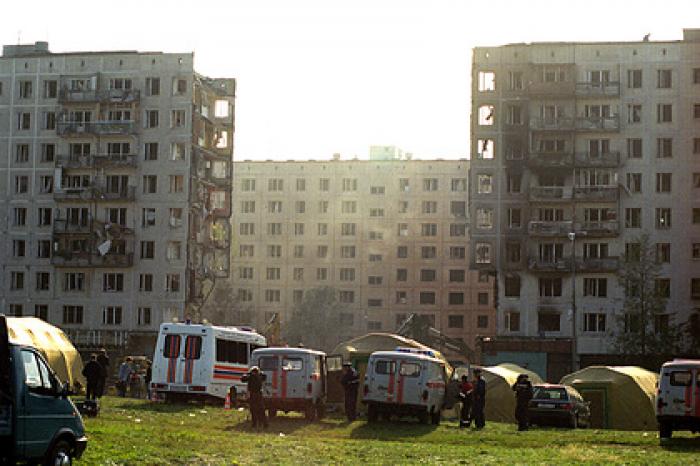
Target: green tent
[500,399]
[621,397]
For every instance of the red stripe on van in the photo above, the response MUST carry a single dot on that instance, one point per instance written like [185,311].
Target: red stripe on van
[400,390]
[274,380]
[390,388]
[283,393]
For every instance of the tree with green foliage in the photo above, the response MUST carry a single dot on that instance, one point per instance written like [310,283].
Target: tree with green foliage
[316,321]
[692,329]
[644,328]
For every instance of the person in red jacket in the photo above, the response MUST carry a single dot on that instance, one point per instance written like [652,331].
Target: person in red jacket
[465,393]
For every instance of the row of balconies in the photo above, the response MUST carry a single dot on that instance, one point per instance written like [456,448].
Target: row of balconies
[98,128]
[563,228]
[563,265]
[65,258]
[83,96]
[568,193]
[97,161]
[610,123]
[96,193]
[570,160]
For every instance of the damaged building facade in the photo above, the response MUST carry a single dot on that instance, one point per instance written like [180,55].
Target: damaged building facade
[115,189]
[577,149]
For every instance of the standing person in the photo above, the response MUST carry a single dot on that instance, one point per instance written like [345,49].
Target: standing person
[466,389]
[125,371]
[479,400]
[254,378]
[93,374]
[147,378]
[350,382]
[103,359]
[523,394]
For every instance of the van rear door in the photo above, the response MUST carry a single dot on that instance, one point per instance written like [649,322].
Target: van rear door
[383,380]
[172,344]
[677,391]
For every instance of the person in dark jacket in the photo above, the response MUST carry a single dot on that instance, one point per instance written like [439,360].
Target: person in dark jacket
[466,390]
[523,394]
[479,400]
[93,373]
[147,378]
[255,379]
[350,382]
[103,359]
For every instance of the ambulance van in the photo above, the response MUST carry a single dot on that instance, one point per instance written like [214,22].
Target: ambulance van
[405,382]
[678,397]
[196,361]
[296,380]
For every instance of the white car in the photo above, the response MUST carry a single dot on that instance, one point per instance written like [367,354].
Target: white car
[405,382]
[678,397]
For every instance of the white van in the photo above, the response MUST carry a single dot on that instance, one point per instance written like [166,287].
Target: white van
[405,382]
[295,380]
[678,397]
[202,361]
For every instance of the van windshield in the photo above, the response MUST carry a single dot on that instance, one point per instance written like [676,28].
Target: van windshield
[385,367]
[550,393]
[289,364]
[409,369]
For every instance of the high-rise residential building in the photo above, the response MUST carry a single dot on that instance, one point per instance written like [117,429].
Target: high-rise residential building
[577,149]
[390,236]
[115,189]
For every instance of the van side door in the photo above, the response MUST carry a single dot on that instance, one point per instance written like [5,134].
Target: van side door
[41,412]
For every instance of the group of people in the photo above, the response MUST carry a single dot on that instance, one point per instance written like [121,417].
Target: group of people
[473,396]
[96,372]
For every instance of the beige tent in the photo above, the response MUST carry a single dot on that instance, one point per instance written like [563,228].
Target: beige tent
[52,343]
[500,399]
[621,397]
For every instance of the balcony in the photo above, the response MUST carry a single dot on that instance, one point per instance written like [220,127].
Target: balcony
[537,264]
[550,193]
[596,193]
[605,264]
[598,89]
[99,128]
[209,154]
[86,259]
[601,160]
[83,96]
[553,124]
[600,229]
[94,194]
[549,229]
[594,123]
[63,226]
[552,89]
[550,160]
[97,161]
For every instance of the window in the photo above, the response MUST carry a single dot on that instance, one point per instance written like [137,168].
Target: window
[48,152]
[19,248]
[429,229]
[152,86]
[428,252]
[299,207]
[145,282]
[376,212]
[349,184]
[324,184]
[19,217]
[274,229]
[664,113]
[664,148]
[112,315]
[455,321]
[401,297]
[484,184]
[273,273]
[347,252]
[375,257]
[663,79]
[22,153]
[246,229]
[72,314]
[150,184]
[514,218]
[274,250]
[376,235]
[458,252]
[597,287]
[634,148]
[486,115]
[458,229]
[483,253]
[247,207]
[428,275]
[322,207]
[25,89]
[513,182]
[272,296]
[174,250]
[143,316]
[634,113]
[430,184]
[322,251]
[401,275]
[177,118]
[513,252]
[348,207]
[633,217]
[248,185]
[695,248]
[515,80]
[347,229]
[176,183]
[16,280]
[634,79]
[484,219]
[696,180]
[663,218]
[548,322]
[374,302]
[148,249]
[403,229]
[43,281]
[550,287]
[512,321]
[663,287]
[663,182]
[21,184]
[594,322]
[347,297]
[695,288]
[455,298]
[402,252]
[634,182]
[177,152]
[487,81]
[426,297]
[321,273]
[485,149]
[298,251]
[152,117]
[375,280]
[696,216]
[458,208]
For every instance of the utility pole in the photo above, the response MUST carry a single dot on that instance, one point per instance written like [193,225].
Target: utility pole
[574,349]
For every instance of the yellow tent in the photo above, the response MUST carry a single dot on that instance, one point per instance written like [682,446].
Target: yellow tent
[52,343]
[500,399]
[621,397]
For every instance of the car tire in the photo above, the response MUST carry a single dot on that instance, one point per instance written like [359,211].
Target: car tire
[310,412]
[423,417]
[60,454]
[271,413]
[665,430]
[574,421]
[372,413]
[435,417]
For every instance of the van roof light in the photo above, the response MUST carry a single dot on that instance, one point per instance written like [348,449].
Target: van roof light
[426,352]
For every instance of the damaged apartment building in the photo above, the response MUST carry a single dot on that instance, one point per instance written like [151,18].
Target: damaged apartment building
[115,189]
[577,150]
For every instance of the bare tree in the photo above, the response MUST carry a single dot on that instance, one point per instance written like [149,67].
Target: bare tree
[316,320]
[226,308]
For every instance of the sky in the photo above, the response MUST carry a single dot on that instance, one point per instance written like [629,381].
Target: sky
[318,77]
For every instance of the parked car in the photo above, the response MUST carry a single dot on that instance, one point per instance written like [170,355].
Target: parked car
[678,398]
[558,405]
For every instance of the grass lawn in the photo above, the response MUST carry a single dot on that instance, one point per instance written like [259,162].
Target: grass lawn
[138,432]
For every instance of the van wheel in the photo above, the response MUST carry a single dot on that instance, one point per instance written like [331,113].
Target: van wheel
[271,413]
[423,417]
[665,430]
[60,454]
[372,413]
[310,412]
[320,410]
[574,421]
[435,417]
